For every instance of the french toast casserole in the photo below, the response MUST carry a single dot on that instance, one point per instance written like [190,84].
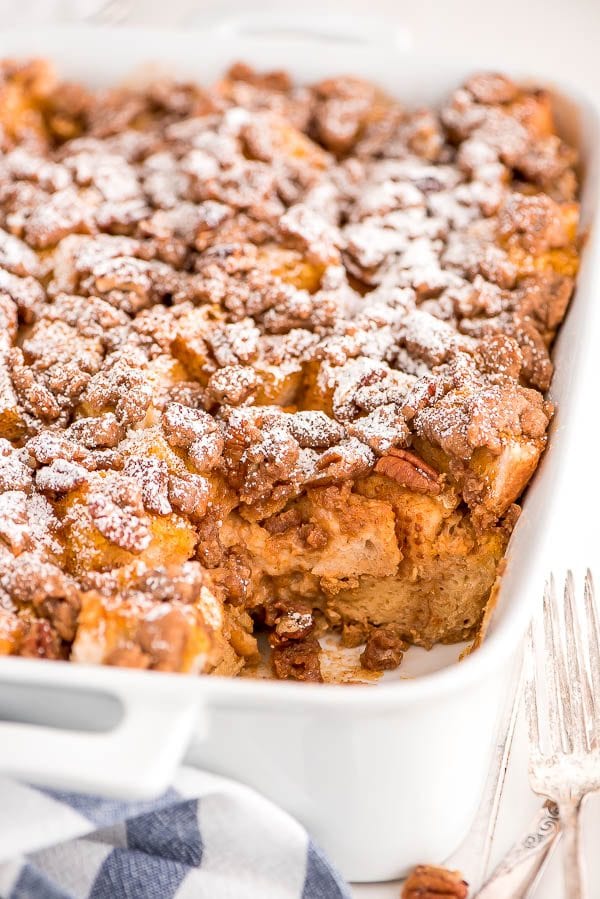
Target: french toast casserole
[273,361]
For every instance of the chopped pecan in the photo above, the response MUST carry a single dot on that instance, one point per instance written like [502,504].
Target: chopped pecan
[297,660]
[342,105]
[189,494]
[35,396]
[277,80]
[500,354]
[162,635]
[152,475]
[384,650]
[408,470]
[233,384]
[123,385]
[492,88]
[117,510]
[206,451]
[61,476]
[284,521]
[258,455]
[429,882]
[291,621]
[313,535]
[96,433]
[534,222]
[209,550]
[235,577]
[182,425]
[349,459]
[315,430]
[42,642]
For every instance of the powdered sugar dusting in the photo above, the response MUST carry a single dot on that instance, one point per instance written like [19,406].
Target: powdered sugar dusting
[214,302]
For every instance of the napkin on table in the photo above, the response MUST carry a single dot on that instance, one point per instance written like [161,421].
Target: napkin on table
[205,838]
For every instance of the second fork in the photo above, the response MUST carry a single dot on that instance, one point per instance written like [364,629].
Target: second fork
[562,696]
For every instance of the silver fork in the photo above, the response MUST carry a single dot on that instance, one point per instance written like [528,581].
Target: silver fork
[562,701]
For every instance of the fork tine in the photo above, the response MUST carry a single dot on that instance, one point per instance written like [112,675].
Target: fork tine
[567,767]
[594,649]
[559,710]
[577,683]
[531,687]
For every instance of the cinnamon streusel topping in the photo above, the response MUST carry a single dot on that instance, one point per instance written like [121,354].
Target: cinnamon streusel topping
[215,302]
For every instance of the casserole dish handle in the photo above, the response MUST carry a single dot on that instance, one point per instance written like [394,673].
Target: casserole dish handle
[137,759]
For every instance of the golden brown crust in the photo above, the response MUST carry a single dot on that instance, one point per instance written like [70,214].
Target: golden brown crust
[298,336]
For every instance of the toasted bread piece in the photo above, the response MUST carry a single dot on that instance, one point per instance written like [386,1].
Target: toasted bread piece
[137,632]
[167,540]
[290,266]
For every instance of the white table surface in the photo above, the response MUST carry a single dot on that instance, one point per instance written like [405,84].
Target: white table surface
[519,805]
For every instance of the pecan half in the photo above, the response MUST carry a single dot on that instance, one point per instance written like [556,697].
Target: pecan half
[408,470]
[428,882]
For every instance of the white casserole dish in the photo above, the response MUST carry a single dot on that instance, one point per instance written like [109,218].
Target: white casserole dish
[384,776]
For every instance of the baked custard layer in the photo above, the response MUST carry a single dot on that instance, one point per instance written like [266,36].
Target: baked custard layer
[272,360]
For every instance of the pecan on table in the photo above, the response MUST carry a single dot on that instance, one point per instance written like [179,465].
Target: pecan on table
[429,882]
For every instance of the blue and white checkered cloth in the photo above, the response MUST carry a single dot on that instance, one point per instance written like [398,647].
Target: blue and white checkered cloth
[205,838]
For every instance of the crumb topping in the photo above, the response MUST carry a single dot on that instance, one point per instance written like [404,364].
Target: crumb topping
[213,300]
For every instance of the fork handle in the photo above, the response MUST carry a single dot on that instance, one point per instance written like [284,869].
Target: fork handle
[570,824]
[518,873]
